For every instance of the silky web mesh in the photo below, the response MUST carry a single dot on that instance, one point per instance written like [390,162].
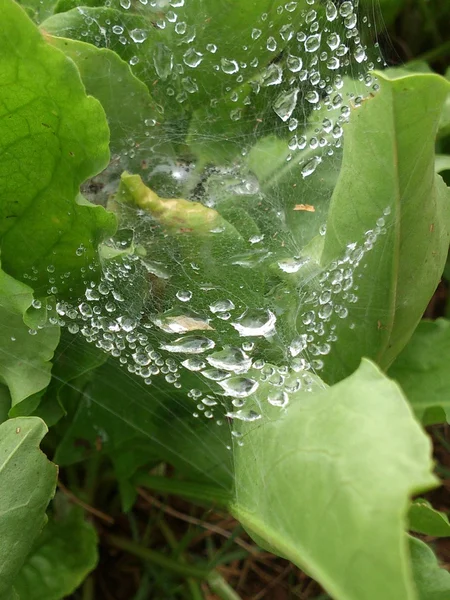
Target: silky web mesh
[215,305]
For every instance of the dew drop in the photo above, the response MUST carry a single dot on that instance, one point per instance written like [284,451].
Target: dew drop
[138,35]
[184,295]
[255,323]
[221,306]
[229,66]
[190,344]
[239,387]
[285,104]
[163,60]
[230,359]
[192,58]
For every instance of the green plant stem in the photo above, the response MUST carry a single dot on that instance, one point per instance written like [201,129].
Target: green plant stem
[221,588]
[192,584]
[216,582]
[88,592]
[429,21]
[435,53]
[192,491]
[156,558]
[90,481]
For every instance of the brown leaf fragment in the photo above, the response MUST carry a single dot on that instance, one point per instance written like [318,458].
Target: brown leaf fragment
[306,207]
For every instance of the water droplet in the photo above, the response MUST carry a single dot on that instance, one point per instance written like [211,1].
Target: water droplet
[221,306]
[294,63]
[138,35]
[292,265]
[239,387]
[194,364]
[312,96]
[285,104]
[163,60]
[333,41]
[271,44]
[346,9]
[278,398]
[173,322]
[331,11]
[312,43]
[190,344]
[243,415]
[273,75]
[184,295]
[297,345]
[255,323]
[230,359]
[192,58]
[309,168]
[290,6]
[229,66]
[286,32]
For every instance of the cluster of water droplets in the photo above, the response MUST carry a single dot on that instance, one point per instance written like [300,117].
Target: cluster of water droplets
[219,355]
[317,45]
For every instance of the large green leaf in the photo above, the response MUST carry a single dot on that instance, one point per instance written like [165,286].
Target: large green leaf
[61,558]
[327,484]
[27,483]
[424,519]
[422,369]
[52,137]
[25,354]
[432,582]
[391,205]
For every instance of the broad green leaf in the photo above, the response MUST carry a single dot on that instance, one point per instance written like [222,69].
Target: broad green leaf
[424,519]
[391,205]
[25,354]
[327,484]
[422,371]
[61,558]
[432,582]
[52,138]
[27,483]
[110,79]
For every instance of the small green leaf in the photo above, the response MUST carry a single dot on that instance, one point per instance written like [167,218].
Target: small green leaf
[424,519]
[422,371]
[27,483]
[24,357]
[396,212]
[61,558]
[432,582]
[52,138]
[327,484]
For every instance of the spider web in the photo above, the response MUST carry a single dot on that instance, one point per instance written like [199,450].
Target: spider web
[205,327]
